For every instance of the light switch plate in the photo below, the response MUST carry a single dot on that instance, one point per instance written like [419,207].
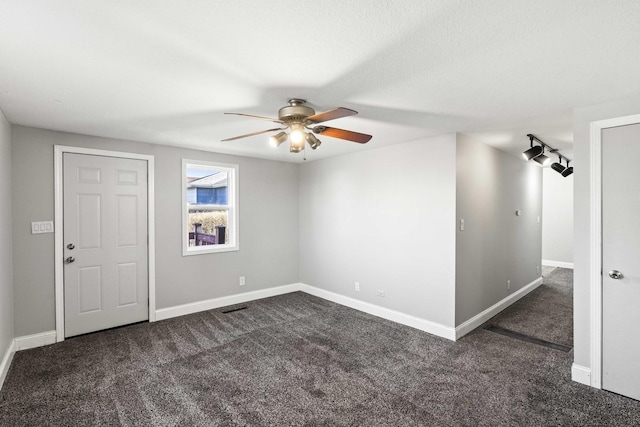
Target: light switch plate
[41,227]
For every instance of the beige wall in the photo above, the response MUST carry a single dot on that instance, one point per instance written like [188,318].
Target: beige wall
[268,253]
[496,245]
[386,219]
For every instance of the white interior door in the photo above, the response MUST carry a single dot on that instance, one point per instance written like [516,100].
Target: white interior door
[621,260]
[105,242]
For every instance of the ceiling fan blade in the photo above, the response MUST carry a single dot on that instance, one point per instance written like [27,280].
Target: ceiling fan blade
[252,134]
[336,113]
[257,117]
[361,138]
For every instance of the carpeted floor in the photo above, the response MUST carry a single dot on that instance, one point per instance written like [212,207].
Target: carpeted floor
[299,360]
[546,270]
[547,313]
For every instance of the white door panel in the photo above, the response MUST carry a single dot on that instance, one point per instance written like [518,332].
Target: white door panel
[105,221]
[621,252]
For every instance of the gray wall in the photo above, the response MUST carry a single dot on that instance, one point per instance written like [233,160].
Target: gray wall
[582,215]
[496,245]
[268,253]
[6,250]
[385,218]
[557,217]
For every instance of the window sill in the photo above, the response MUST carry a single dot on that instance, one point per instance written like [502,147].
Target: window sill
[209,249]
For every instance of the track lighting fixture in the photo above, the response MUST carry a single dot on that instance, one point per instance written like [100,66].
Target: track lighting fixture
[536,152]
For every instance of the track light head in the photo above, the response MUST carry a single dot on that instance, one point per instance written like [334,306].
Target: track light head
[542,160]
[532,152]
[568,171]
[557,166]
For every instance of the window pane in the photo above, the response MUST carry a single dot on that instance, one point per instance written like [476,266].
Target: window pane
[206,187]
[207,227]
[210,213]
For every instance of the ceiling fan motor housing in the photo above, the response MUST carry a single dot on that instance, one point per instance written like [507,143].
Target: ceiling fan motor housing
[296,111]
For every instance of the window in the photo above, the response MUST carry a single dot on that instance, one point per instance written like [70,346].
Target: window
[209,207]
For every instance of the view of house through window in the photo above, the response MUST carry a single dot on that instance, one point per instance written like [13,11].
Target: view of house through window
[209,216]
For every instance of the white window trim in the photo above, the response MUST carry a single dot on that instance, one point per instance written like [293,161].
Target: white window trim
[233,243]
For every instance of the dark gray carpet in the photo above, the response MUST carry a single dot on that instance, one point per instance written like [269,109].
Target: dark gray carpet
[299,360]
[546,313]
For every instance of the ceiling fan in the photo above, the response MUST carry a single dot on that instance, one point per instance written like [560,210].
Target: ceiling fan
[297,119]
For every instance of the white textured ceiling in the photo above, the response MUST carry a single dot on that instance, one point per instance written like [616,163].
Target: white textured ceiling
[164,71]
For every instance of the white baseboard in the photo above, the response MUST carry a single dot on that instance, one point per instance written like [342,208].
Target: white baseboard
[385,313]
[482,317]
[6,362]
[196,307]
[581,374]
[561,264]
[24,343]
[36,340]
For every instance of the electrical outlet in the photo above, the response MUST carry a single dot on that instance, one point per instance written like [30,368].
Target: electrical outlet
[508,284]
[380,293]
[461,224]
[242,282]
[537,269]
[357,286]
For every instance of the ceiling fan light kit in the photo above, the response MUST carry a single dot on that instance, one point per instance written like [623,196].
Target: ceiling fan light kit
[312,141]
[297,133]
[300,120]
[278,139]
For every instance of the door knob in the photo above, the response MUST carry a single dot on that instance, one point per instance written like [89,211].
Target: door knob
[71,246]
[615,274]
[69,260]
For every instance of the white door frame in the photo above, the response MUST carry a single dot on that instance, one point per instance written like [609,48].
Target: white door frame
[595,234]
[59,150]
